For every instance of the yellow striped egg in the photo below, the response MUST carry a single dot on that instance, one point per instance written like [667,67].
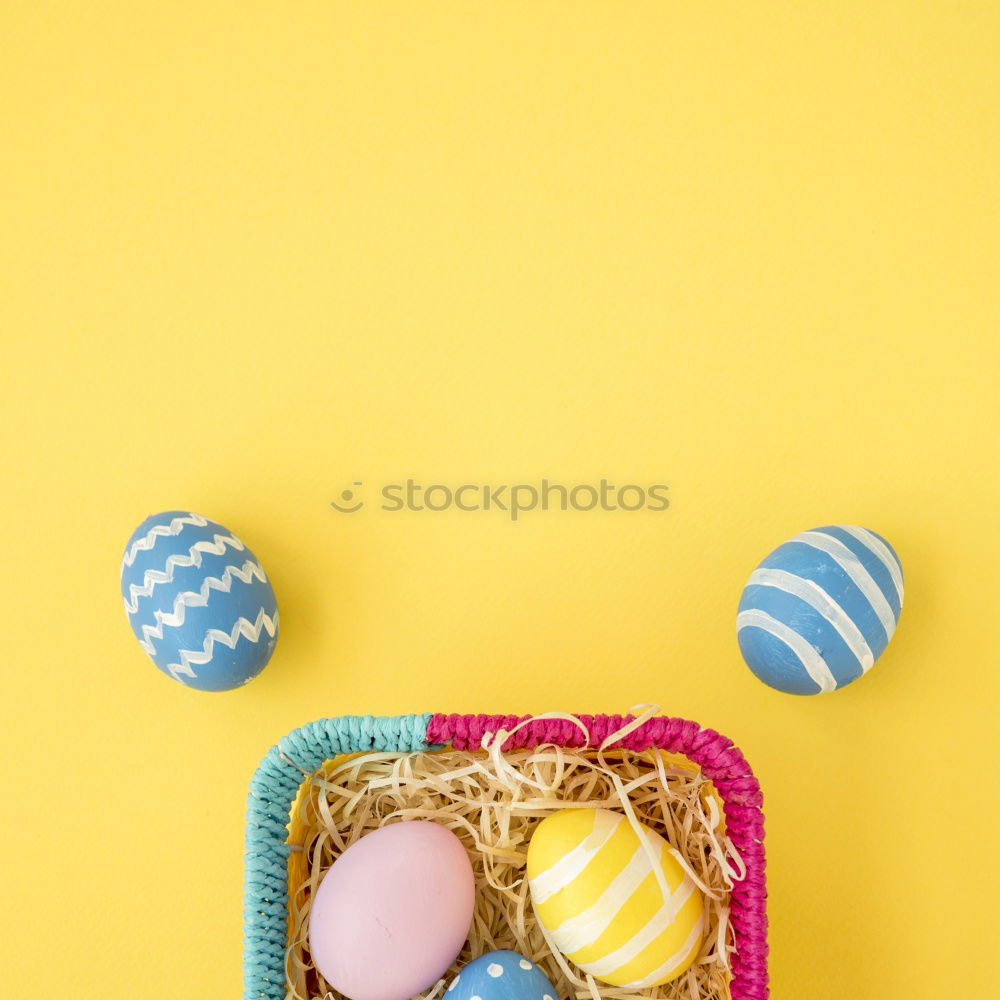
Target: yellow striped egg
[595,889]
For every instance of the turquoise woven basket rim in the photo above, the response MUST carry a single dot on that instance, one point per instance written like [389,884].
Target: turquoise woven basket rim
[277,780]
[273,789]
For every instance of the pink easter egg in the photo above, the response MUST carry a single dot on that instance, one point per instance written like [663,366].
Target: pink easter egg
[393,912]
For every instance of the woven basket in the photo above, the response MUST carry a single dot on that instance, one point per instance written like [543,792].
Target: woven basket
[276,784]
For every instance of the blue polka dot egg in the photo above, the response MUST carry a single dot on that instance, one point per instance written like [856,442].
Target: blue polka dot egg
[501,975]
[820,609]
[198,601]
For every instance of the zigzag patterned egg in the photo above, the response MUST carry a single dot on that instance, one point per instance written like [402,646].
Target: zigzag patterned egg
[820,609]
[616,904]
[198,601]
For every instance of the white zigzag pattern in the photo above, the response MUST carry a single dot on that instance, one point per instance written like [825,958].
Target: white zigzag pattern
[152,577]
[243,627]
[175,527]
[198,599]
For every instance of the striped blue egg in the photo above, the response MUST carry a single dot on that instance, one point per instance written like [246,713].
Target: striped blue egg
[198,601]
[500,975]
[820,609]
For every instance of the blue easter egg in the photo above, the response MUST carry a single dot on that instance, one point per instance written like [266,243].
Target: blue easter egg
[820,609]
[501,975]
[198,601]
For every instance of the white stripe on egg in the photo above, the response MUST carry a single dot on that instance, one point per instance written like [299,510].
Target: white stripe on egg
[175,527]
[818,599]
[586,927]
[631,950]
[671,963]
[884,553]
[814,664]
[855,569]
[243,627]
[549,882]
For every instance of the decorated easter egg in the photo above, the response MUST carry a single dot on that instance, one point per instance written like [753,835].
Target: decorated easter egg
[615,902]
[198,601]
[820,609]
[393,912]
[501,975]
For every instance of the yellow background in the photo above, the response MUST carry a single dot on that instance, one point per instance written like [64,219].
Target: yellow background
[254,252]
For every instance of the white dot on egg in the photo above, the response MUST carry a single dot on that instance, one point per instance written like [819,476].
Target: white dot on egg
[496,971]
[454,982]
[524,963]
[546,997]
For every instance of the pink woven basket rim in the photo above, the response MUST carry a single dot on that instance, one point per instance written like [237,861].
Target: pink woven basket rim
[719,759]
